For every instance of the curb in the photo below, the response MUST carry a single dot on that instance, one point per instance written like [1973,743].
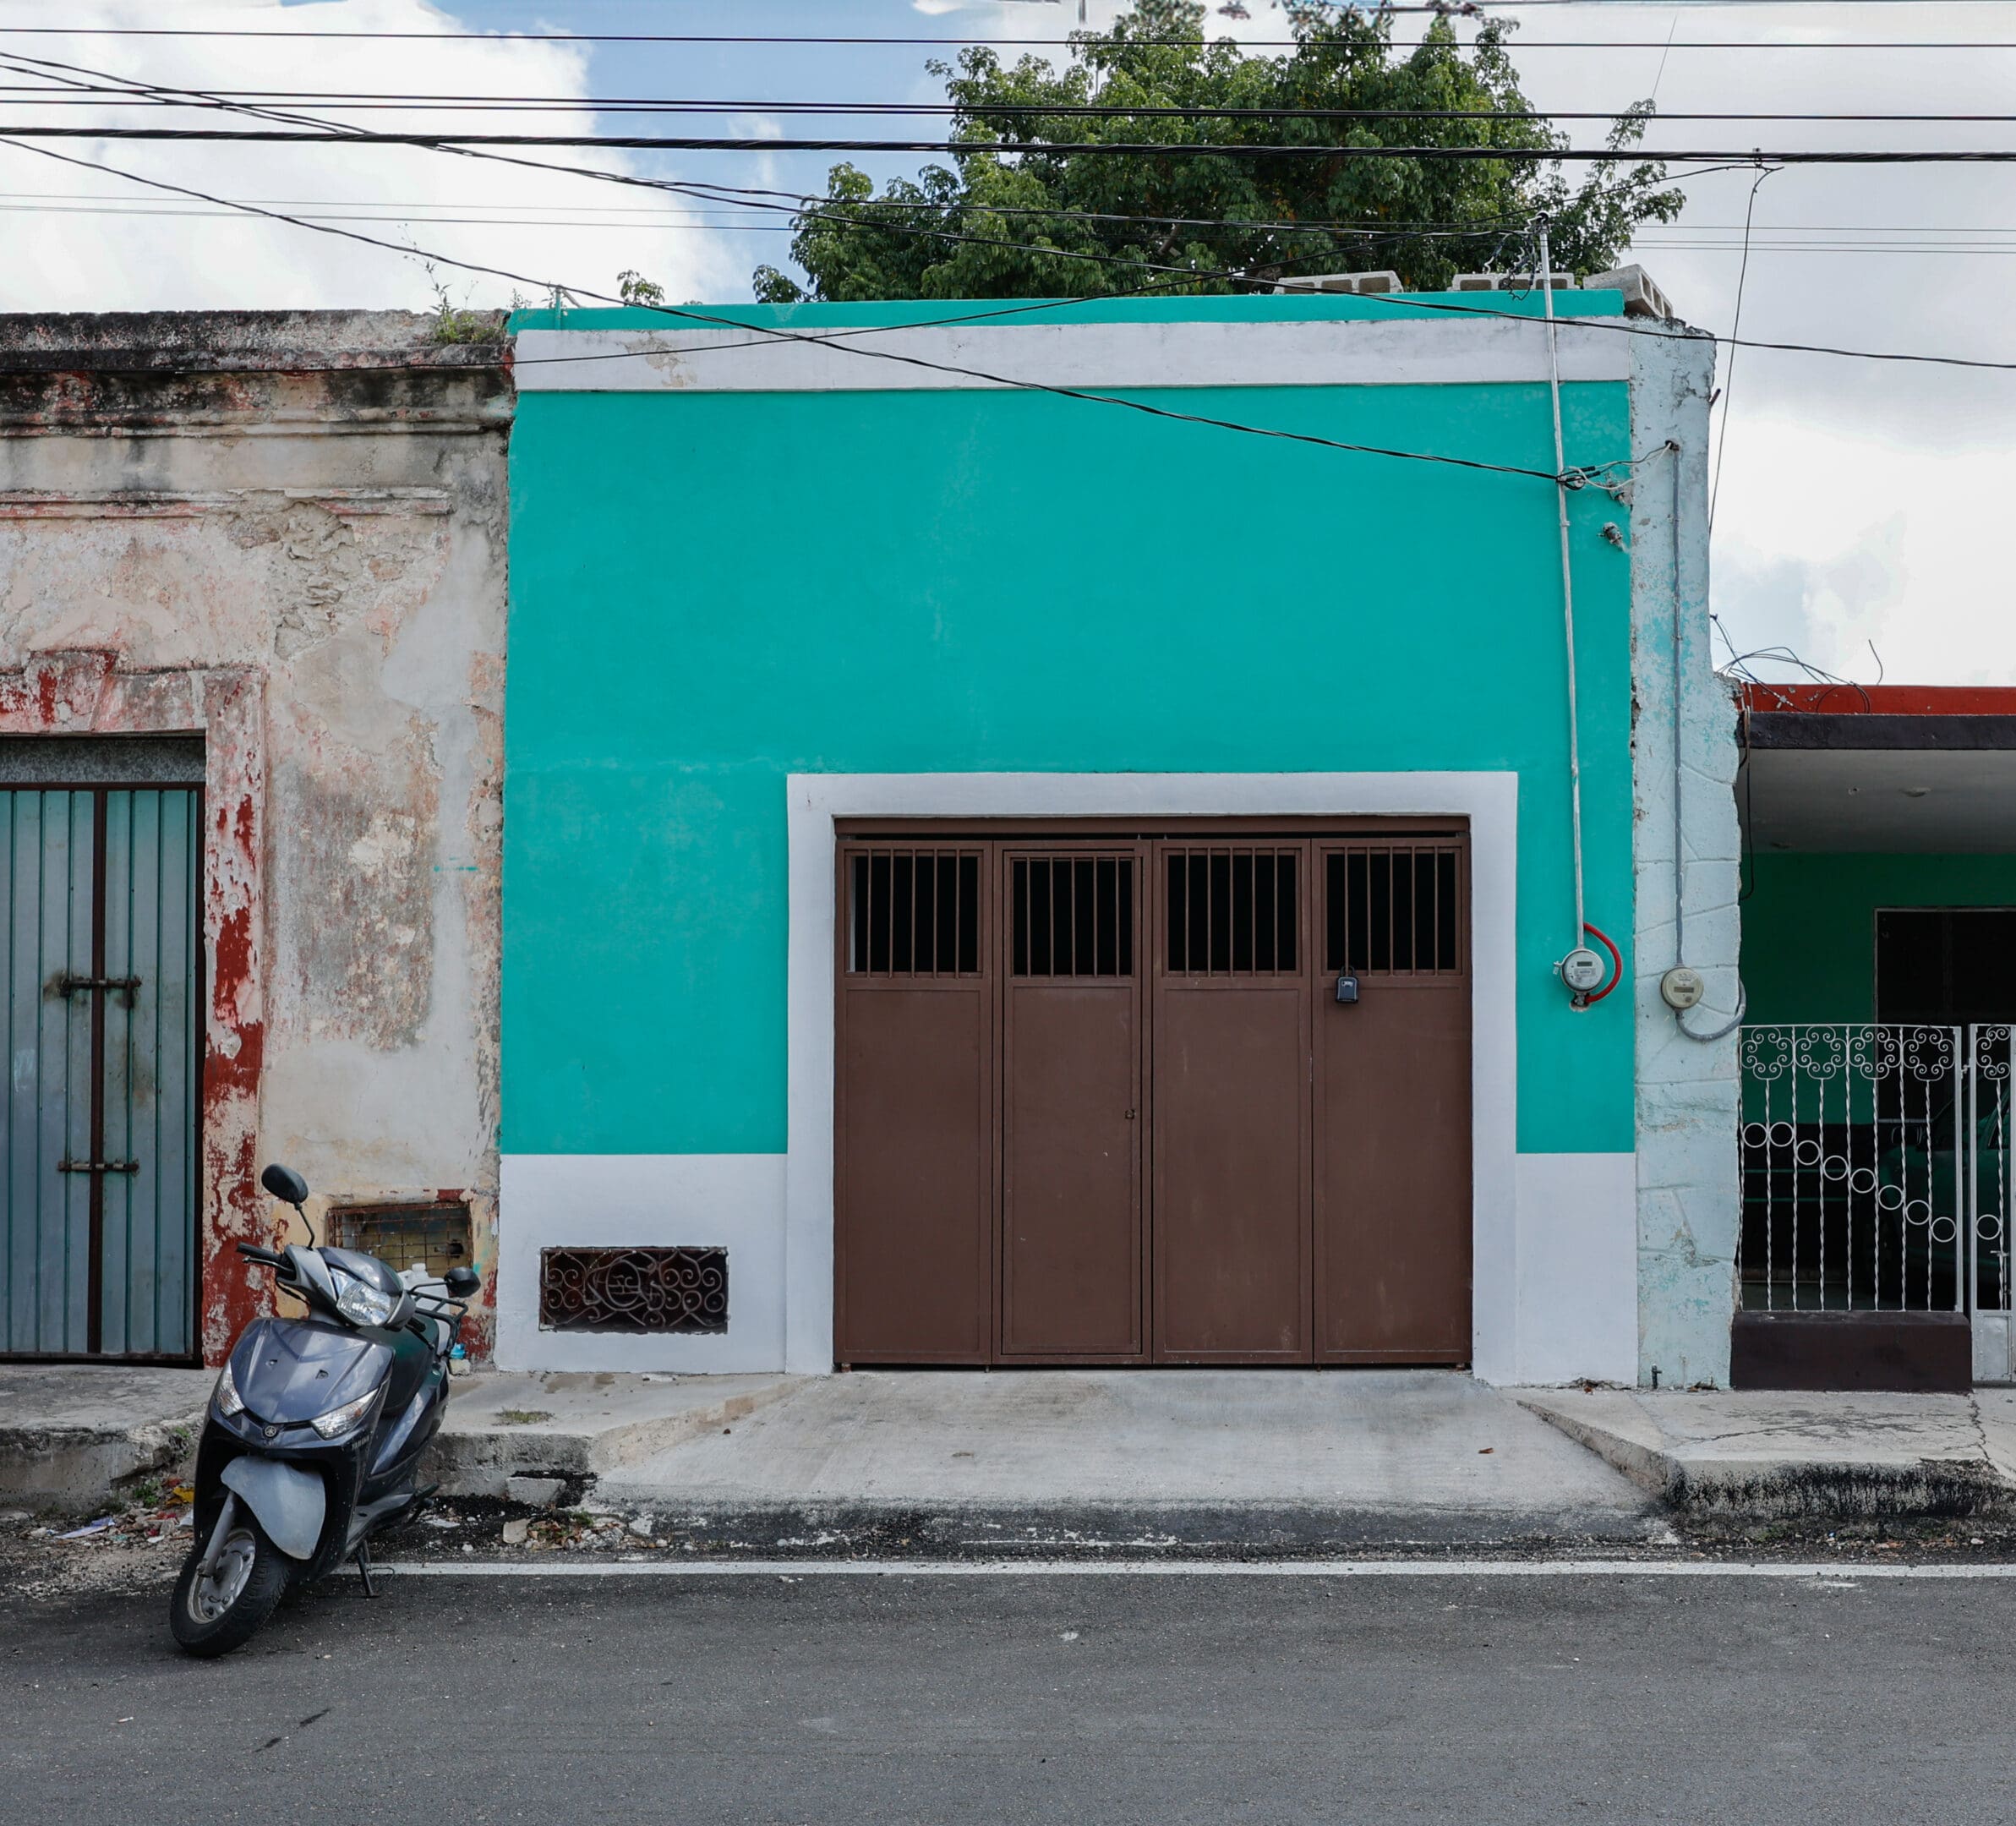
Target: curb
[1789,1489]
[473,1458]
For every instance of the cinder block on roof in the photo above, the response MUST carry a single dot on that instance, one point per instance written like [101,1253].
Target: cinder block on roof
[1381,281]
[1641,297]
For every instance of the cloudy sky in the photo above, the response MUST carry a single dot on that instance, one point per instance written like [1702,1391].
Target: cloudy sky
[1858,512]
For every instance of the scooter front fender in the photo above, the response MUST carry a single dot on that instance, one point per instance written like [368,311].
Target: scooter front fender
[289,1502]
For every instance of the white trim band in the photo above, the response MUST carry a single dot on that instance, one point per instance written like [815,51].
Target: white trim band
[1328,352]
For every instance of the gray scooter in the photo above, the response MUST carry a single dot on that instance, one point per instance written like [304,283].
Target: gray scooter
[313,1440]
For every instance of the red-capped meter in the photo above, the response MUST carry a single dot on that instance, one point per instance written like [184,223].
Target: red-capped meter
[1582,970]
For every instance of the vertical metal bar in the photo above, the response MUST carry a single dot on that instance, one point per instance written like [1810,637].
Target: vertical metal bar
[1252,903]
[2002,1167]
[1435,918]
[1210,910]
[1050,876]
[1770,1213]
[94,1321]
[1119,958]
[1960,1302]
[1392,947]
[1967,1200]
[1847,1210]
[1819,1215]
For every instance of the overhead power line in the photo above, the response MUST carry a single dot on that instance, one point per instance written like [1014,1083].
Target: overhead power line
[765,332]
[761,333]
[1021,149]
[353,101]
[945,43]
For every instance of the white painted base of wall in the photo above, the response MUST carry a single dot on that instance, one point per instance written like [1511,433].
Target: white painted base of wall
[1573,1265]
[731,1201]
[1992,1344]
[1578,1269]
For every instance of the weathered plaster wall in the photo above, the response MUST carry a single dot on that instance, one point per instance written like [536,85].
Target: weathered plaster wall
[204,505]
[1688,1203]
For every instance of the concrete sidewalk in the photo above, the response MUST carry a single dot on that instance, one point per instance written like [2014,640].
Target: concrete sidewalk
[575,1426]
[1266,1459]
[73,1434]
[69,1432]
[1263,1460]
[1787,1455]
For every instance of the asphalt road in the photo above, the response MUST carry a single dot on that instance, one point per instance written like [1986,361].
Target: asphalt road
[1166,1700]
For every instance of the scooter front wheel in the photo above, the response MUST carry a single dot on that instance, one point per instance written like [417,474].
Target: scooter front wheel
[212,1613]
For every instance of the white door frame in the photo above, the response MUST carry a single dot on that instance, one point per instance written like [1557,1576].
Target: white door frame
[1489,800]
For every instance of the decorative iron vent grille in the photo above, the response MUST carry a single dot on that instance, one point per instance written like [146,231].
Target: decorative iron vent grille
[633,1289]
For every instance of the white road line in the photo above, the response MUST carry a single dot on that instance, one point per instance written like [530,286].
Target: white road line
[1755,1569]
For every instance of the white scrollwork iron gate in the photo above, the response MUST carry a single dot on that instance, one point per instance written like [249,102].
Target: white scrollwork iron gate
[1876,1169]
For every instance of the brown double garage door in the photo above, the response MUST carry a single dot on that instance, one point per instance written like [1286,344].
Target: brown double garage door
[1098,1099]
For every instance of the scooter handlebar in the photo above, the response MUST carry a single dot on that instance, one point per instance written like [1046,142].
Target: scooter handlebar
[252,1253]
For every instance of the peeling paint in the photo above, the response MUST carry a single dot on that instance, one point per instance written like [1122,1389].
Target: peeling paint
[285,532]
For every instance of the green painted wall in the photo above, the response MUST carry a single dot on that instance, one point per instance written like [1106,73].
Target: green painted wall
[1809,924]
[709,591]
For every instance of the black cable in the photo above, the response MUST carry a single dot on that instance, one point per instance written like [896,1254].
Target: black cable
[804,209]
[1005,44]
[351,102]
[1728,379]
[1612,325]
[762,332]
[1017,148]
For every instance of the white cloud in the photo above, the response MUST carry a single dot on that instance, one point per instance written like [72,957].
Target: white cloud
[1861,501]
[1831,542]
[65,252]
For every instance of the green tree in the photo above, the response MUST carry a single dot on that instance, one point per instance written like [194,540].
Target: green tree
[1003,223]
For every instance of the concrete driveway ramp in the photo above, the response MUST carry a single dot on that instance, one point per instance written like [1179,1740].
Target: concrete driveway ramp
[1269,1459]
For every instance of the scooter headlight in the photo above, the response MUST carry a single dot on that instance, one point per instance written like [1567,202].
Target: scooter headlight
[227,1397]
[346,1418]
[361,1302]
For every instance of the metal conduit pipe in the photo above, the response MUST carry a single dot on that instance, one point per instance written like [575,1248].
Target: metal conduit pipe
[1681,986]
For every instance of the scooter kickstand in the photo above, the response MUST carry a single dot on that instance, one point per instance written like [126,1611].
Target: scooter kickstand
[364,1568]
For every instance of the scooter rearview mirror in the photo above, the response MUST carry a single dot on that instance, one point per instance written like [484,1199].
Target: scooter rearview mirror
[289,1188]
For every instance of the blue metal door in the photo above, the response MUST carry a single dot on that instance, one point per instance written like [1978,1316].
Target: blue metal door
[99,922]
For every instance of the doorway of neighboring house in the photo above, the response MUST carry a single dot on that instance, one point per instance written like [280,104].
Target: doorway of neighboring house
[99,849]
[1099,1097]
[1946,966]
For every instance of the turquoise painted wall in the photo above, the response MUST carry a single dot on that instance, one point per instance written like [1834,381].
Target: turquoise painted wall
[1809,924]
[709,591]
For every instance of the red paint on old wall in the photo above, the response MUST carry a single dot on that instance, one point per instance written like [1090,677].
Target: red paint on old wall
[84,693]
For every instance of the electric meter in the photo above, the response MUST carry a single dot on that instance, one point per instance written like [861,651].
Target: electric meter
[1681,986]
[1582,969]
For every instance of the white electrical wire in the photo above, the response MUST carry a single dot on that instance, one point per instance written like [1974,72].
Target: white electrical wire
[1561,470]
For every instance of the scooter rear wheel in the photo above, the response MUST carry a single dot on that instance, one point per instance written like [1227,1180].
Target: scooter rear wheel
[212,1614]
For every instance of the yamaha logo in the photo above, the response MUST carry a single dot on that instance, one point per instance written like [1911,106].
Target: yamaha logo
[271,1431]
